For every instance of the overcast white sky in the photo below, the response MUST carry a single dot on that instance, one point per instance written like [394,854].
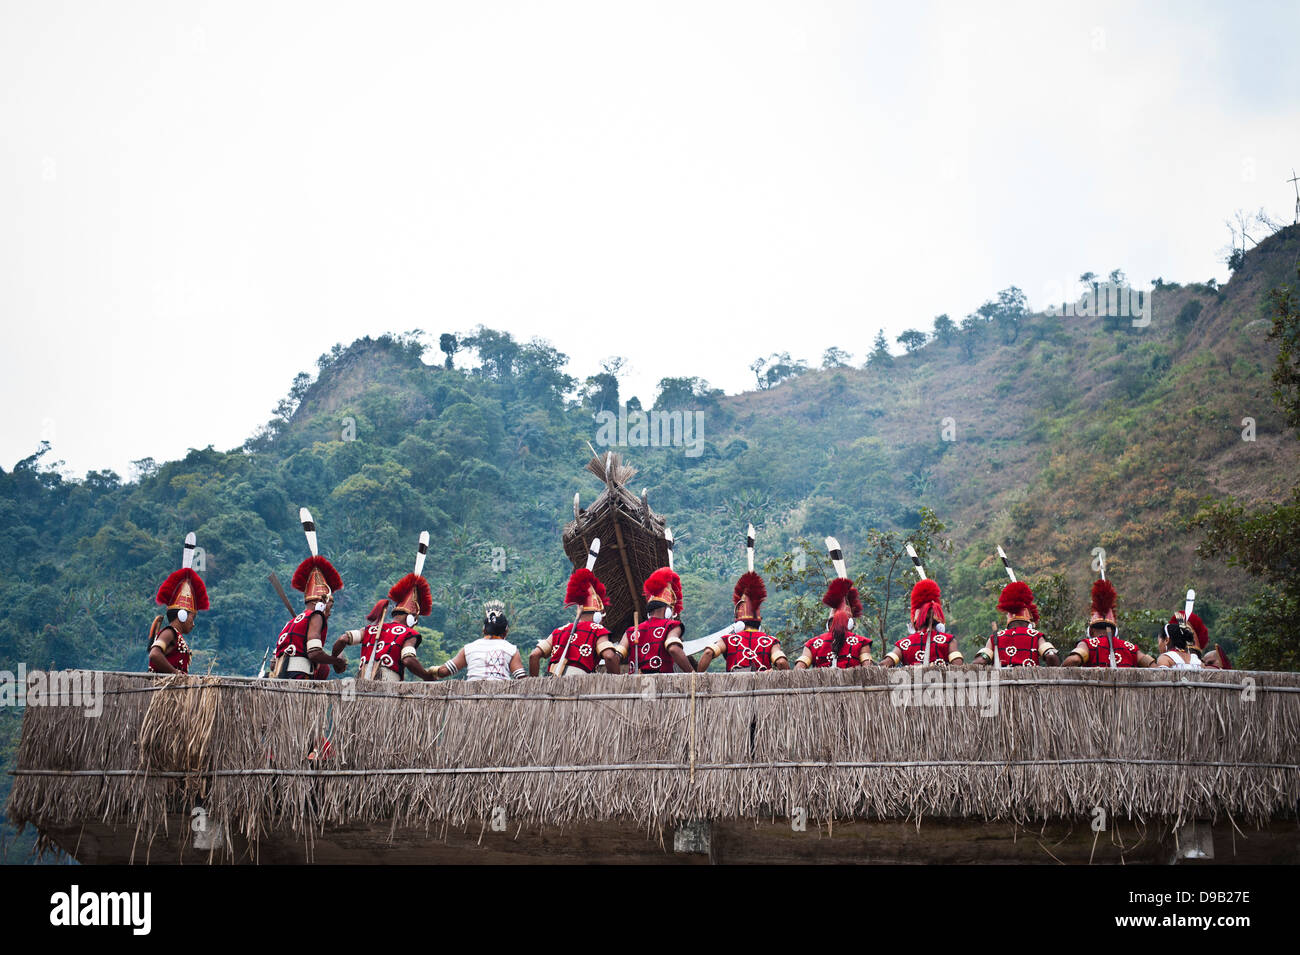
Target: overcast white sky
[197,199]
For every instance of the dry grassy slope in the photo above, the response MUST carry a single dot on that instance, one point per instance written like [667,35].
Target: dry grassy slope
[1066,442]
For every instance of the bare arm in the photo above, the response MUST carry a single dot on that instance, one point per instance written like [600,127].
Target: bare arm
[412,662]
[159,662]
[534,661]
[706,657]
[457,663]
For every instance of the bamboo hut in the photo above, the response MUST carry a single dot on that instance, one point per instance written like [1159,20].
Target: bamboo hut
[632,540]
[826,765]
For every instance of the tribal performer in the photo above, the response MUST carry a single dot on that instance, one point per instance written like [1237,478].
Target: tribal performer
[1019,642]
[577,647]
[1101,647]
[750,648]
[839,646]
[492,656]
[184,595]
[388,651]
[929,639]
[655,644]
[300,649]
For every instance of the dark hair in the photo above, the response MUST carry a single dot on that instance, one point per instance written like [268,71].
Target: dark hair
[496,626]
[172,614]
[1177,636]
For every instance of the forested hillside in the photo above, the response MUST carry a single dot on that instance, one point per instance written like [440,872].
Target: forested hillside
[1048,435]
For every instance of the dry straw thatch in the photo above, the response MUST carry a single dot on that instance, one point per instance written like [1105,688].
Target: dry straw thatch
[1147,745]
[632,542]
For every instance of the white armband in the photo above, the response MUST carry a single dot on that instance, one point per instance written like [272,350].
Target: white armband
[353,637]
[451,667]
[161,645]
[408,652]
[519,674]
[314,644]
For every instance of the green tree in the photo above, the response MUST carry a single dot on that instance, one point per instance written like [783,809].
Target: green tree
[911,340]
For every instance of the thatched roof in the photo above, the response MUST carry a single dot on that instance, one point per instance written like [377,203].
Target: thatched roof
[632,542]
[1143,744]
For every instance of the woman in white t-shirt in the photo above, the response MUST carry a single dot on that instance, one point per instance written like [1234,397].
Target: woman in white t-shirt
[1175,646]
[492,656]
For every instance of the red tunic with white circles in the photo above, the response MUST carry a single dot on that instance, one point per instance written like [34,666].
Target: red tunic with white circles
[386,647]
[293,639]
[582,651]
[912,647]
[749,650]
[1126,653]
[647,644]
[1017,646]
[822,650]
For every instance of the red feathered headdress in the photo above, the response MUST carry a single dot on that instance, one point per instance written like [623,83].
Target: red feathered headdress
[314,572]
[183,590]
[666,586]
[751,589]
[1017,598]
[1103,603]
[413,595]
[926,599]
[839,590]
[581,583]
[377,611]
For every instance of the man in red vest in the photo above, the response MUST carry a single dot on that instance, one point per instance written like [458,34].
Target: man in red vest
[1019,642]
[578,647]
[840,646]
[751,648]
[928,628]
[1102,645]
[300,649]
[184,595]
[655,644]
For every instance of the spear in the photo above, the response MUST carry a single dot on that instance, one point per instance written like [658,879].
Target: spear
[920,572]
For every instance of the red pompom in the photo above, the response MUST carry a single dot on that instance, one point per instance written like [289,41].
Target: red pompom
[661,580]
[839,624]
[1016,598]
[332,578]
[579,581]
[173,583]
[1103,598]
[377,611]
[751,586]
[424,595]
[839,590]
[925,592]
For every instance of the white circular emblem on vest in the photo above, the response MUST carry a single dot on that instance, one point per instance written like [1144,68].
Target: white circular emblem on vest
[299,618]
[399,629]
[852,641]
[1011,651]
[660,631]
[904,643]
[386,660]
[765,642]
[656,662]
[748,654]
[818,642]
[585,650]
[289,650]
[733,640]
